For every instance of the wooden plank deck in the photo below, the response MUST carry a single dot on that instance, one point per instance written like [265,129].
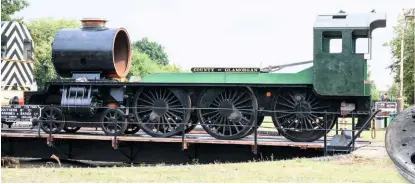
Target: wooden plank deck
[195,137]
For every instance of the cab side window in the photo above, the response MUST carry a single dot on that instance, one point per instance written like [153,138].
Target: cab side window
[332,42]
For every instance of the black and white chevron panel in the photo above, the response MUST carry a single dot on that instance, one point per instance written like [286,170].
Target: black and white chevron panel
[16,69]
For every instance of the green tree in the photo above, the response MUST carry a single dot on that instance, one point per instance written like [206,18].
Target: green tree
[154,50]
[393,91]
[375,93]
[395,45]
[171,68]
[43,32]
[142,65]
[10,7]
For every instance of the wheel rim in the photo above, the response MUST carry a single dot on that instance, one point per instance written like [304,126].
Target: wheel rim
[52,119]
[113,121]
[300,116]
[228,113]
[162,112]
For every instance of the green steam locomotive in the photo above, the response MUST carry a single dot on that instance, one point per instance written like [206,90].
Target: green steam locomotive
[227,102]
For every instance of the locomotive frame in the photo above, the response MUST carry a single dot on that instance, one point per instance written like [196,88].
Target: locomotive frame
[229,103]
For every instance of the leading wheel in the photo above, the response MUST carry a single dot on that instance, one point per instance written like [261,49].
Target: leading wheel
[113,122]
[162,112]
[52,120]
[299,115]
[228,113]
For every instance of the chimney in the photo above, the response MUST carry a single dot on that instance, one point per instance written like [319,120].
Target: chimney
[93,22]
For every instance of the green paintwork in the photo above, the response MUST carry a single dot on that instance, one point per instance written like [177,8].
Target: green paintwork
[344,73]
[302,77]
[339,74]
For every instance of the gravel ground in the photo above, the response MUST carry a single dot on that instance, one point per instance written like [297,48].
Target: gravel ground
[374,150]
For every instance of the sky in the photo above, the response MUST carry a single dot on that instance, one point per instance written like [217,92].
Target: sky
[230,33]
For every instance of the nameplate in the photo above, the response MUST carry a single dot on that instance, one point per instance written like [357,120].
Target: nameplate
[236,70]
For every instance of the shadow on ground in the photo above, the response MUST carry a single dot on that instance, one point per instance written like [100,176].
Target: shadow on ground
[206,156]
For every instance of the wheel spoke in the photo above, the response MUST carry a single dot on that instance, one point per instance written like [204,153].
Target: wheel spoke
[151,93]
[171,98]
[284,115]
[145,101]
[150,98]
[229,114]
[52,120]
[286,105]
[113,122]
[288,120]
[291,102]
[239,97]
[310,122]
[168,111]
[164,93]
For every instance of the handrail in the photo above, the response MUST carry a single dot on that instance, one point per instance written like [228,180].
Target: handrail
[279,67]
[363,127]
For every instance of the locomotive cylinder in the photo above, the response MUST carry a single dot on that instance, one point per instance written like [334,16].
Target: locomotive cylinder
[93,48]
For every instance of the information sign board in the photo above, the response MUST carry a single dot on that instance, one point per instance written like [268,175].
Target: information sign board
[386,108]
[16,113]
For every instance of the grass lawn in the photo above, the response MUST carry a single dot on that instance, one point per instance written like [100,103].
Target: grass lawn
[297,170]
